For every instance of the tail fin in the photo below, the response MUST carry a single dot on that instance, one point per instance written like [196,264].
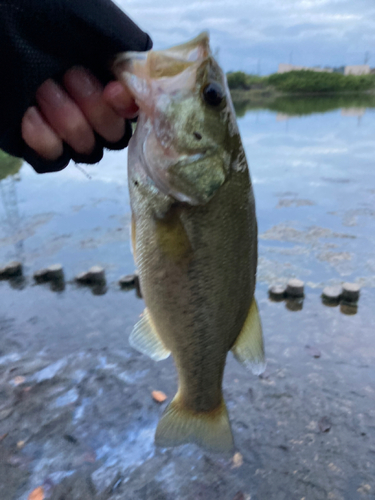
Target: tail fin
[210,430]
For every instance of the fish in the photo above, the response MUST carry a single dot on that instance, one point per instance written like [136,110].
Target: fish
[194,235]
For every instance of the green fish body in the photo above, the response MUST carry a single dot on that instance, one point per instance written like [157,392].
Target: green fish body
[194,235]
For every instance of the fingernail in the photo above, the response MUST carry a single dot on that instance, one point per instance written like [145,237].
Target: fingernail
[32,117]
[51,93]
[127,110]
[82,83]
[115,91]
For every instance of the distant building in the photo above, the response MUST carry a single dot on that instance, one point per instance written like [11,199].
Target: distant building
[357,112]
[359,69]
[285,68]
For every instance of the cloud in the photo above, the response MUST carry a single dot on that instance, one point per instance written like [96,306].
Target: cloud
[249,33]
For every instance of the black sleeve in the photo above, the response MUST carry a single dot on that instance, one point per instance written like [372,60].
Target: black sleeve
[41,39]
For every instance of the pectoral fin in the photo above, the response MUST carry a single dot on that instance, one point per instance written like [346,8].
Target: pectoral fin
[172,237]
[248,348]
[145,339]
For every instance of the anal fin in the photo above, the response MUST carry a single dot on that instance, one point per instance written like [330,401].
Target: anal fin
[248,348]
[145,339]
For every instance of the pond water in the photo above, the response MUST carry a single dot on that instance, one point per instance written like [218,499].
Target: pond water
[76,413]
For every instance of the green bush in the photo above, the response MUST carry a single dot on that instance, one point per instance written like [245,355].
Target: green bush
[304,81]
[241,81]
[9,165]
[312,81]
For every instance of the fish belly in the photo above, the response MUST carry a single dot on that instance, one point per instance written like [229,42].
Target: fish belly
[197,271]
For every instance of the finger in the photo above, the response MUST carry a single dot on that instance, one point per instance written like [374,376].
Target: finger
[64,116]
[39,136]
[120,100]
[87,92]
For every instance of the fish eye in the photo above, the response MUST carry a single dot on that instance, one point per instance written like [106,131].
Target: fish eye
[213,94]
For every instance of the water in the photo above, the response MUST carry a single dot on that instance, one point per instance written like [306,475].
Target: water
[82,414]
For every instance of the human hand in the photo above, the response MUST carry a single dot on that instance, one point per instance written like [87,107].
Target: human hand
[72,112]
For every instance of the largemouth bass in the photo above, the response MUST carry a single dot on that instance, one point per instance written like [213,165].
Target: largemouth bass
[194,234]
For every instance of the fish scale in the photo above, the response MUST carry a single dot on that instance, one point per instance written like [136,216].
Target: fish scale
[194,236]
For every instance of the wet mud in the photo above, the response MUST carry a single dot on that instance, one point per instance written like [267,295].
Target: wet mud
[77,417]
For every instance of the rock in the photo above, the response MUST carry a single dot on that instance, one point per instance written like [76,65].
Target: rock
[18,380]
[82,277]
[55,272]
[277,292]
[11,270]
[350,292]
[51,273]
[4,414]
[50,371]
[128,281]
[313,351]
[331,295]
[95,274]
[295,288]
[237,460]
[324,424]
[41,276]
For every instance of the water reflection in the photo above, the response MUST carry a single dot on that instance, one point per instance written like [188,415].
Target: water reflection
[18,283]
[294,304]
[9,169]
[287,106]
[348,309]
[57,285]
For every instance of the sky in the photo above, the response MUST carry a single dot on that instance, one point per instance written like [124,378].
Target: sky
[256,35]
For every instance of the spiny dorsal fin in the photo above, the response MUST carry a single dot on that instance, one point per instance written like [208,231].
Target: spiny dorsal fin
[248,348]
[145,339]
[210,430]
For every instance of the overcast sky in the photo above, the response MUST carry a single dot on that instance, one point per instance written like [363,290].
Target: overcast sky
[249,34]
